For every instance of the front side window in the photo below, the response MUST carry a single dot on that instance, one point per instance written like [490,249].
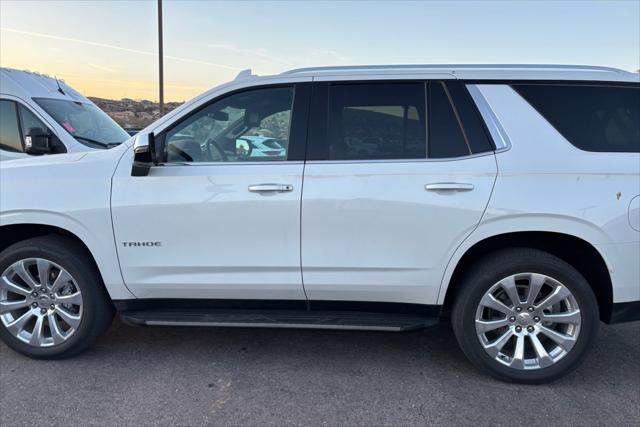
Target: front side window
[377,121]
[10,138]
[252,125]
[85,122]
[591,117]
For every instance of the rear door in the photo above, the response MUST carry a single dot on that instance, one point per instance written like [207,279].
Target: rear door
[398,175]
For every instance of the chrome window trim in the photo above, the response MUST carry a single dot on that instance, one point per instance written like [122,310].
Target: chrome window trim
[443,159]
[498,134]
[257,163]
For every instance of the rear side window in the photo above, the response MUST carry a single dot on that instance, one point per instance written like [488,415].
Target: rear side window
[10,139]
[377,121]
[593,118]
[446,138]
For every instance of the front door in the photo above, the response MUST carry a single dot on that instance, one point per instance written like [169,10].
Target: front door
[221,217]
[399,174]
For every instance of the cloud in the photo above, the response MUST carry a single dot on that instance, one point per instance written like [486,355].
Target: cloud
[260,53]
[101,67]
[113,47]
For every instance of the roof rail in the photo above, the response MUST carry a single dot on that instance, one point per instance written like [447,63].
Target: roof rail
[548,67]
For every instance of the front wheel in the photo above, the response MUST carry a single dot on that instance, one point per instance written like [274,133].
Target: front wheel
[525,315]
[52,301]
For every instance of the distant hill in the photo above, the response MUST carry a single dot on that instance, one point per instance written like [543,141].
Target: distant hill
[132,114]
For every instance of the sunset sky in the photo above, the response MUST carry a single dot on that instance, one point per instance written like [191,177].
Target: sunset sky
[109,48]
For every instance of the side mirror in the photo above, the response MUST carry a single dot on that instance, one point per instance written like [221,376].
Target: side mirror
[243,148]
[37,141]
[144,154]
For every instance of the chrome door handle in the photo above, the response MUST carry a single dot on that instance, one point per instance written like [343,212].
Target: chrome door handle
[264,188]
[448,186]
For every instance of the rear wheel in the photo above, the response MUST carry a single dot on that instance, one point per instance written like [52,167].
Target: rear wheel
[525,315]
[52,301]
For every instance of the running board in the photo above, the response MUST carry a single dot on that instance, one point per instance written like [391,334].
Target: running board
[279,319]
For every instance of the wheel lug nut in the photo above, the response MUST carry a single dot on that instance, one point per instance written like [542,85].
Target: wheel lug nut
[34,305]
[518,328]
[536,319]
[34,294]
[518,309]
[51,296]
[530,309]
[530,328]
[512,319]
[43,310]
[52,306]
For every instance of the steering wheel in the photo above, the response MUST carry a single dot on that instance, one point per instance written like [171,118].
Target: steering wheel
[214,151]
[176,154]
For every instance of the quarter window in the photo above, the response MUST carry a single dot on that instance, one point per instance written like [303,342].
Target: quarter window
[592,118]
[248,126]
[377,121]
[10,139]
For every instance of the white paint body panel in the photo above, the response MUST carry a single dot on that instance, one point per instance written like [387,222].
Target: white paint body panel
[371,232]
[546,184]
[70,191]
[218,239]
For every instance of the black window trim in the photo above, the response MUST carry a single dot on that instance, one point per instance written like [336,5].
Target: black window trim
[458,119]
[300,105]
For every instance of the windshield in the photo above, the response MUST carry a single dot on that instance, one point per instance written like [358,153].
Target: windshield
[85,122]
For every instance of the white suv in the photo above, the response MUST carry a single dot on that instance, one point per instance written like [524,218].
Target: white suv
[502,197]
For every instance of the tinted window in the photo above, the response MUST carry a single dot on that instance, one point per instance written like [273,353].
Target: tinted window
[377,121]
[247,126]
[593,118]
[445,135]
[10,139]
[474,130]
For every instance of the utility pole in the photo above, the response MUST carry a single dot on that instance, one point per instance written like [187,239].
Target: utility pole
[160,65]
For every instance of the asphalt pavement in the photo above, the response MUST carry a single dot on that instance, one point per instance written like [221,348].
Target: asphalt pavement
[200,376]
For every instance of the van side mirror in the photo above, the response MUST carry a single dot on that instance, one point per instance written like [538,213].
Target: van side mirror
[37,141]
[144,154]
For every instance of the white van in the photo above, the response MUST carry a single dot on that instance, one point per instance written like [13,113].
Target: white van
[43,115]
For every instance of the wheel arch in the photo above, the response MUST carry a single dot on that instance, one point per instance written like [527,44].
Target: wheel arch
[105,263]
[576,251]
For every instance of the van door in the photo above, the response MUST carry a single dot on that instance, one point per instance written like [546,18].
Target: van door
[398,176]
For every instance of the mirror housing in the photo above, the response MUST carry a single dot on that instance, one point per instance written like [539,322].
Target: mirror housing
[144,154]
[37,141]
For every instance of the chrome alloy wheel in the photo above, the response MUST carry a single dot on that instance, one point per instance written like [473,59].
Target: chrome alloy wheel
[528,321]
[40,302]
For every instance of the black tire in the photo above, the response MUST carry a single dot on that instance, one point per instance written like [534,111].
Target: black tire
[499,265]
[97,309]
